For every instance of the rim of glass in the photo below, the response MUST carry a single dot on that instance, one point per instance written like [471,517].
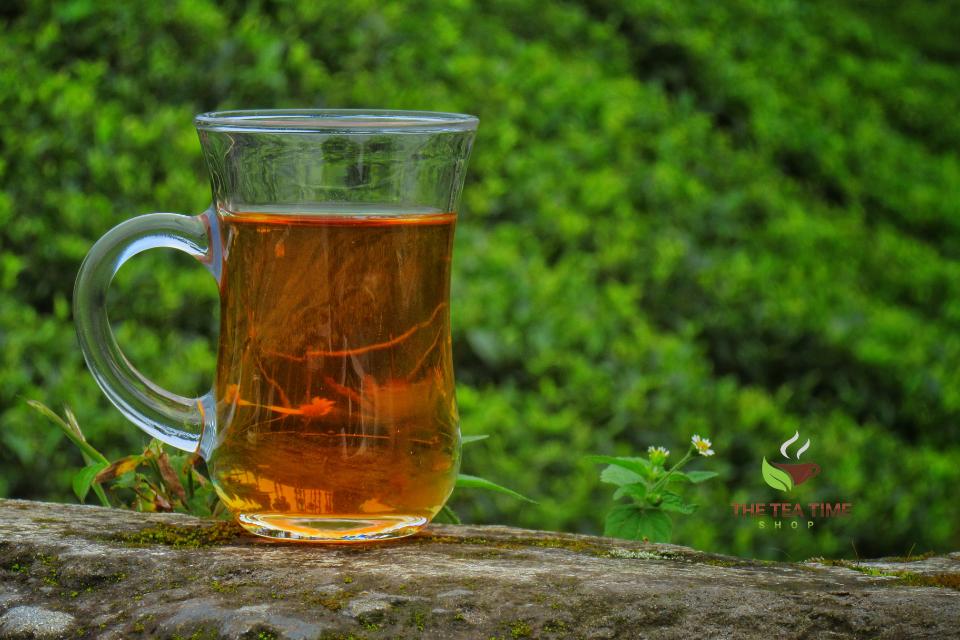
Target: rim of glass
[335,121]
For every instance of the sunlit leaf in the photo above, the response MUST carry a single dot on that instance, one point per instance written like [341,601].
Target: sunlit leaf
[465,481]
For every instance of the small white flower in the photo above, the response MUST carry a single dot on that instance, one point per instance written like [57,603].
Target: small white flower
[702,445]
[657,455]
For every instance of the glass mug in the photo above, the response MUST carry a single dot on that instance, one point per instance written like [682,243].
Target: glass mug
[332,416]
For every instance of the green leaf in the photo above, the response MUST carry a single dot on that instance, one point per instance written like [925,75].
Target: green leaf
[634,523]
[636,491]
[447,516]
[696,477]
[465,481]
[678,476]
[619,476]
[84,478]
[198,505]
[469,439]
[126,480]
[673,502]
[101,495]
[71,430]
[776,478]
[639,466]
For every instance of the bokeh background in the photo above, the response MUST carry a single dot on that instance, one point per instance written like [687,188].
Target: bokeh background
[739,219]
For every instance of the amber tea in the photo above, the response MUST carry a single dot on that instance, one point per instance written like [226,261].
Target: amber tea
[335,396]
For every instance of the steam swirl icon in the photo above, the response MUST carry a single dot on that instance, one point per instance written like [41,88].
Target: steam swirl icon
[785,476]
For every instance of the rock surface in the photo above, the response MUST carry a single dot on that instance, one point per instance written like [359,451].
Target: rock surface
[88,572]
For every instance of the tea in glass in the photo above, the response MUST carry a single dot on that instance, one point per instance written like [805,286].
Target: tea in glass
[336,406]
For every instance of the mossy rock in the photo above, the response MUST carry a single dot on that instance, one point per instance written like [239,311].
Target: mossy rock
[94,572]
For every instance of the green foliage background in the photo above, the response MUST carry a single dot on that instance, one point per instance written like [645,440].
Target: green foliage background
[740,219]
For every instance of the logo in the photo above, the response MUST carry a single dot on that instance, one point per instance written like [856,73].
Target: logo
[784,476]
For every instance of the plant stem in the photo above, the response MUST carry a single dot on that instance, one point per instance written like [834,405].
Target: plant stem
[97,489]
[662,481]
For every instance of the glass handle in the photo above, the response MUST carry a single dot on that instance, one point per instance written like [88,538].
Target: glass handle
[169,417]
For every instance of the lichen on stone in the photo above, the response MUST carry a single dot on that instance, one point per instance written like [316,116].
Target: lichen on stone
[908,578]
[632,553]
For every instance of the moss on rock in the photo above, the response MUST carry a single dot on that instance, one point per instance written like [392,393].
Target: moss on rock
[181,536]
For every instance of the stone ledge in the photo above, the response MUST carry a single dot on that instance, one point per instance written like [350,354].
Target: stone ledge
[71,571]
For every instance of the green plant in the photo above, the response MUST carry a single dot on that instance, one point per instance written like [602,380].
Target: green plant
[154,480]
[652,490]
[157,480]
[465,481]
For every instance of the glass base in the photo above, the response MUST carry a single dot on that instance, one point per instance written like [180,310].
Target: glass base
[331,529]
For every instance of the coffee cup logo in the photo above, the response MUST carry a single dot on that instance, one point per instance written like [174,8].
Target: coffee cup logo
[785,476]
